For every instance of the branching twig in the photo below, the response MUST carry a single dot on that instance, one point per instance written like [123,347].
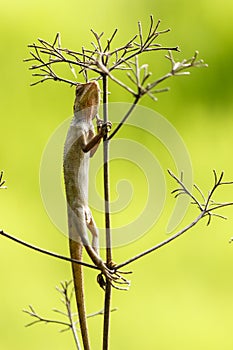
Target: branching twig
[206,209]
[102,61]
[67,291]
[66,300]
[99,60]
[41,319]
[141,75]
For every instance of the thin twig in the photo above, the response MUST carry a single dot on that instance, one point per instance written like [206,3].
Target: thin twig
[101,312]
[43,251]
[161,244]
[67,301]
[126,116]
[2,182]
[41,319]
[109,41]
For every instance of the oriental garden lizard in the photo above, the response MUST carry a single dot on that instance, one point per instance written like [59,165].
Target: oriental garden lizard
[81,143]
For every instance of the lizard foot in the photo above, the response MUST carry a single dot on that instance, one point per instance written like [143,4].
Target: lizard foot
[104,127]
[114,277]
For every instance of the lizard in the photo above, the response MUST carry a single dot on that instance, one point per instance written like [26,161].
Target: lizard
[81,144]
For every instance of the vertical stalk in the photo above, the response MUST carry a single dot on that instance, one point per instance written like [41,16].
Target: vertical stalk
[106,174]
[108,289]
[107,309]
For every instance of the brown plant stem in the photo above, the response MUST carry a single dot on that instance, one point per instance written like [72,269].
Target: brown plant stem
[107,301]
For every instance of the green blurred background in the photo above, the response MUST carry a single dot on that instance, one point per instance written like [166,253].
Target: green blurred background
[181,297]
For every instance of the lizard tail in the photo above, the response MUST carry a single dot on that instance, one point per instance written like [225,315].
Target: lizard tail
[76,253]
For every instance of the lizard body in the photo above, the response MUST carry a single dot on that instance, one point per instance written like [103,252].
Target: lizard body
[81,143]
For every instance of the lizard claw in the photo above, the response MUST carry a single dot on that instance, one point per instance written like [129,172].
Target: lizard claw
[102,126]
[106,127]
[115,279]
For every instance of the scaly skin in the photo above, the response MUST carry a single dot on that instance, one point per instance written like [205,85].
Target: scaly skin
[81,143]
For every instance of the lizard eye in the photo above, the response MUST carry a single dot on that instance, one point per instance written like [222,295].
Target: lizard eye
[79,89]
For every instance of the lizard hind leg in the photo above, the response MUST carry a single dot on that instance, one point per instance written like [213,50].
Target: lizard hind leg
[93,251]
[91,225]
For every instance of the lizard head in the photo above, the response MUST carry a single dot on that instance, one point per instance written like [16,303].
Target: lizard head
[87,98]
